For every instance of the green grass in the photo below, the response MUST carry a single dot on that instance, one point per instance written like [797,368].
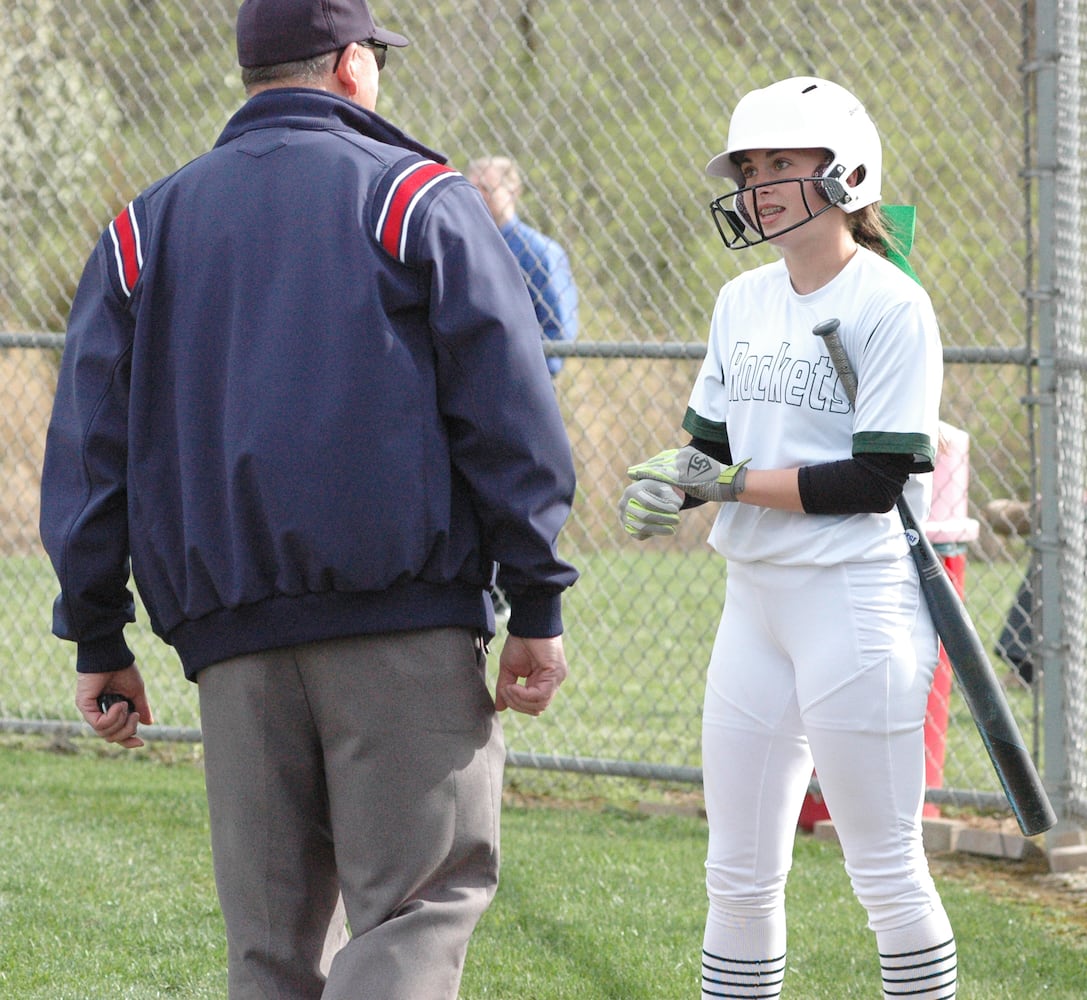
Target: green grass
[106,892]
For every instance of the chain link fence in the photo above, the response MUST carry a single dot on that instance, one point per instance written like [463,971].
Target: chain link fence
[611,109]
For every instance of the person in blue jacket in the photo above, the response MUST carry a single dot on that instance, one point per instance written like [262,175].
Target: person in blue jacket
[302,399]
[544,263]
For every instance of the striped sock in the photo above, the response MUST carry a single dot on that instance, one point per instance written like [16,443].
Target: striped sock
[741,979]
[924,974]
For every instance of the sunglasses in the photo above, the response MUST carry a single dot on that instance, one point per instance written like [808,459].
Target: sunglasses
[379,49]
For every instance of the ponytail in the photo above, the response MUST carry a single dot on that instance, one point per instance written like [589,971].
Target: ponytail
[869,228]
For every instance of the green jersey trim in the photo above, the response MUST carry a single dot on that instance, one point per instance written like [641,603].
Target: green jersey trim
[918,445]
[700,427]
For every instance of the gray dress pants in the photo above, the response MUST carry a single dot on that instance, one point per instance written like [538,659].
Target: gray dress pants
[358,778]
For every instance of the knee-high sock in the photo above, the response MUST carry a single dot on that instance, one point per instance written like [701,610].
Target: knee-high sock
[743,956]
[919,961]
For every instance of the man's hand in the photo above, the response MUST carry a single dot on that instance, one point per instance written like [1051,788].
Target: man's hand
[694,472]
[542,664]
[649,508]
[118,725]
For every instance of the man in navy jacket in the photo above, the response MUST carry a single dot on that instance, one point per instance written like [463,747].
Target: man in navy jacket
[303,397]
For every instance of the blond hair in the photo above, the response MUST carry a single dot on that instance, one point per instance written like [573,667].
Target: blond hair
[504,166]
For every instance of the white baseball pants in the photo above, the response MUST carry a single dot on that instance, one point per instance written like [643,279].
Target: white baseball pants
[828,666]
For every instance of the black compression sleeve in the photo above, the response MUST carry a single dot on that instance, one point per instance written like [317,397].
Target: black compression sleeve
[863,484]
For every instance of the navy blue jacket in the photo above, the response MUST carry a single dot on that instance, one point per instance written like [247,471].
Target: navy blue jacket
[303,396]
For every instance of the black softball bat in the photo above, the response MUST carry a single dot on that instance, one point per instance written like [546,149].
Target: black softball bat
[977,680]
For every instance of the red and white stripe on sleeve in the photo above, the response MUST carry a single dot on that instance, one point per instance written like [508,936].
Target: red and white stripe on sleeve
[124,231]
[408,189]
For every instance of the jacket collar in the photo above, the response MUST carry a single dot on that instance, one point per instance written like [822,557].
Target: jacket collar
[290,107]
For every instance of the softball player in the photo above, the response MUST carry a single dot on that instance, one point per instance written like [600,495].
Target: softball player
[825,650]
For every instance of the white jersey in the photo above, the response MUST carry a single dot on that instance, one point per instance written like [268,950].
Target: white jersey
[769,380]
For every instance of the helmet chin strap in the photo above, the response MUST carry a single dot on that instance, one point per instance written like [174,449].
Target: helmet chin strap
[735,222]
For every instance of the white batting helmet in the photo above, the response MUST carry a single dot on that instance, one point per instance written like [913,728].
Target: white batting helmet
[805,112]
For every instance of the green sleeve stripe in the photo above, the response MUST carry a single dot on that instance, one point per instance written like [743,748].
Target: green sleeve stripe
[871,442]
[700,427]
[918,445]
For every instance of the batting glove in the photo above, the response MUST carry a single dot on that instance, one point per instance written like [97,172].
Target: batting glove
[649,508]
[695,473]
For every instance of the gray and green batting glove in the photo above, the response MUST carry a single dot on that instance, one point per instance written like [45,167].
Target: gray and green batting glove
[649,508]
[695,473]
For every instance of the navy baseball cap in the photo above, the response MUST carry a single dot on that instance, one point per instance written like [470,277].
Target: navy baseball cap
[270,32]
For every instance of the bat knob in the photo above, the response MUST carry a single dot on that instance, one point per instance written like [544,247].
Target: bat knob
[826,327]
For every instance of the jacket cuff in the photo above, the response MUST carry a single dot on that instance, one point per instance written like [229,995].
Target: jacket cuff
[535,616]
[103,656]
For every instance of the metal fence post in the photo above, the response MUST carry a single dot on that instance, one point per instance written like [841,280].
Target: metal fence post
[1060,382]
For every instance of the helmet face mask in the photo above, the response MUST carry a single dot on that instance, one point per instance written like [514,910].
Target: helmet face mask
[739,227]
[799,113]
